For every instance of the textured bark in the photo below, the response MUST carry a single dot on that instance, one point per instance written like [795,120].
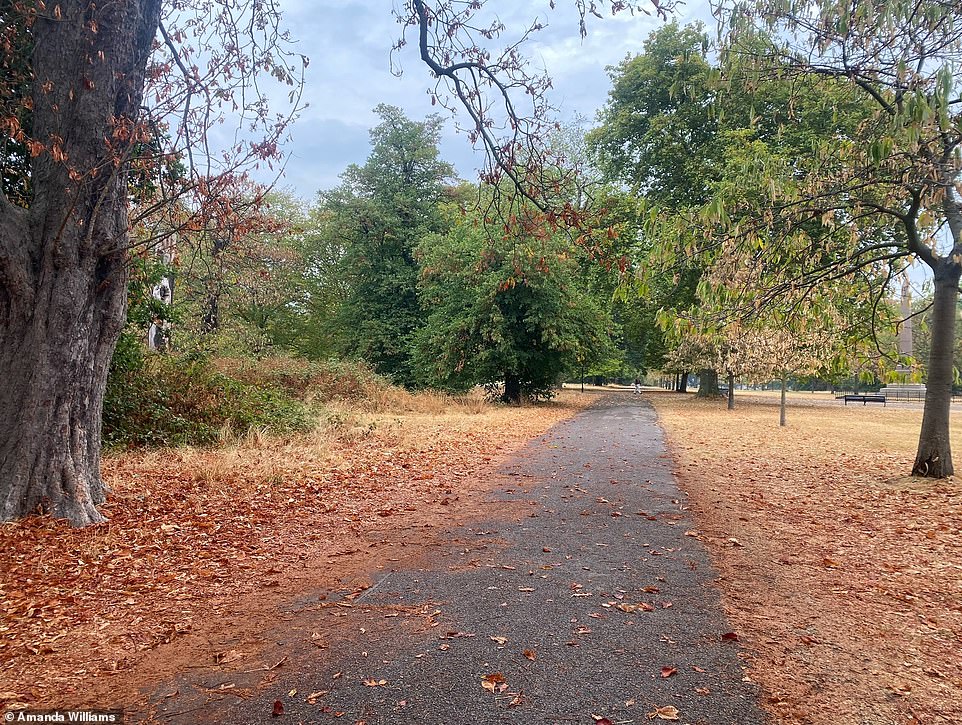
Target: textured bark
[63,271]
[708,385]
[934,456]
[731,391]
[512,389]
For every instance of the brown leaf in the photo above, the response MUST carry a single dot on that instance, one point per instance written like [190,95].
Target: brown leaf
[530,654]
[494,682]
[668,712]
[668,671]
[729,637]
[231,655]
[278,709]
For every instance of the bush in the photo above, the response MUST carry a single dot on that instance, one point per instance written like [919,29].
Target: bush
[169,400]
[322,381]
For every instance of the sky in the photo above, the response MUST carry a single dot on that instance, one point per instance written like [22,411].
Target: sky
[349,43]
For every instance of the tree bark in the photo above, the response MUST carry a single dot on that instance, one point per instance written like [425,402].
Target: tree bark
[63,265]
[934,456]
[731,391]
[682,386]
[512,389]
[708,385]
[781,408]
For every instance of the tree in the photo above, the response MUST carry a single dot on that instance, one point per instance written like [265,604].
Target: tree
[64,252]
[511,310]
[384,208]
[898,177]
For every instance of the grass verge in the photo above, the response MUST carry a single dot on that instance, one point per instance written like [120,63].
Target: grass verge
[841,575]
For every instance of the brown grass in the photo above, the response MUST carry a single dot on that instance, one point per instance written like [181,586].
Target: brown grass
[842,576]
[90,617]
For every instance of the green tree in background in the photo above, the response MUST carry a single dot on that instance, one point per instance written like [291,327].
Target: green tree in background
[512,309]
[382,210]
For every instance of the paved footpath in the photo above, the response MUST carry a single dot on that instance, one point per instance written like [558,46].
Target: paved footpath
[572,611]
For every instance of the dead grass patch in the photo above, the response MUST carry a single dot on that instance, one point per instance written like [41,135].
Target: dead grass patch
[202,539]
[842,576]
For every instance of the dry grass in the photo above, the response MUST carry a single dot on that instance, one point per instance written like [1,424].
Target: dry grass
[842,575]
[87,617]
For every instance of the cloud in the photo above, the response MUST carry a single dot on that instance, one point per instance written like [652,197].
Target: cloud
[349,44]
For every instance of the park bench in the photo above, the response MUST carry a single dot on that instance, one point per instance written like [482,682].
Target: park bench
[864,399]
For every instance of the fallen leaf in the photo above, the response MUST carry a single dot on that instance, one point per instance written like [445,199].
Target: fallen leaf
[668,712]
[517,701]
[729,637]
[278,709]
[668,671]
[312,698]
[530,654]
[494,682]
[231,655]
[500,640]
[374,683]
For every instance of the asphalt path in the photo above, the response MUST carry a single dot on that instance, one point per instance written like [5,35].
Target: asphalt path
[592,601]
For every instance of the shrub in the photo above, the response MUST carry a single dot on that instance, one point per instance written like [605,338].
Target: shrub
[322,381]
[169,400]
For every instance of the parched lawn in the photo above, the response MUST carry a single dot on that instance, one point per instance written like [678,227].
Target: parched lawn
[841,575]
[202,546]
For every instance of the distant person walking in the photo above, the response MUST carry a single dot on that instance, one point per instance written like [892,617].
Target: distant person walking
[637,385]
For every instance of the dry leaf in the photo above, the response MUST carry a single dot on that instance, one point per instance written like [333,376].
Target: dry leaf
[530,654]
[278,709]
[500,640]
[494,682]
[668,671]
[668,712]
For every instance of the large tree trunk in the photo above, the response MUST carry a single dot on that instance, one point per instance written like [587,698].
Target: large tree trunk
[63,272]
[708,385]
[512,389]
[934,456]
[731,391]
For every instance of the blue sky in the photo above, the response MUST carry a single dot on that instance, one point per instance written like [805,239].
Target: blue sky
[349,43]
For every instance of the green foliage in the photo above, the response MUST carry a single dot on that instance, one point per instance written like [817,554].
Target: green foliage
[509,310]
[381,212]
[166,400]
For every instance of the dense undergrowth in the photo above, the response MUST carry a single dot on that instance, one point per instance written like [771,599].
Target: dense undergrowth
[157,400]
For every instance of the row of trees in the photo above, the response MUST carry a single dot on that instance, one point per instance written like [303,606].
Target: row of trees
[791,181]
[399,266]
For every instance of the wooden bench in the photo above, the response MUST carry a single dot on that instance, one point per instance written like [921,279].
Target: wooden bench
[864,399]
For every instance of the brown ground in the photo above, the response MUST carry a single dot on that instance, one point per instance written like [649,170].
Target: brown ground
[202,547]
[842,576]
